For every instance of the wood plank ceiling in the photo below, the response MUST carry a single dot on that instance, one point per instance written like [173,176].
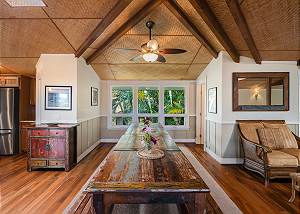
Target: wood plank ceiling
[65,27]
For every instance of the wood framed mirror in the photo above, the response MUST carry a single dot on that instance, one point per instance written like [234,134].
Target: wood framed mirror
[260,91]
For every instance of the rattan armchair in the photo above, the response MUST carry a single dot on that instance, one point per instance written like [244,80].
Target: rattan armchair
[259,163]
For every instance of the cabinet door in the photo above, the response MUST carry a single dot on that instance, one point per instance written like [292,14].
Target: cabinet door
[57,148]
[39,147]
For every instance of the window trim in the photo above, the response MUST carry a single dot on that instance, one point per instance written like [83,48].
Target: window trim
[161,115]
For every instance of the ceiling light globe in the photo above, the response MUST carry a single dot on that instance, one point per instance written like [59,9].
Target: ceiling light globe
[150,57]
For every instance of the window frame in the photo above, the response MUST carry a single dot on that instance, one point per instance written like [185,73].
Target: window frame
[161,115]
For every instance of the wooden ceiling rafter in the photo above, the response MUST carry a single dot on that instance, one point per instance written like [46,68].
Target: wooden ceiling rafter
[208,16]
[142,13]
[241,22]
[187,22]
[100,28]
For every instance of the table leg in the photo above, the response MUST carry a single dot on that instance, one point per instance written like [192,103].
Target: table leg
[200,203]
[98,203]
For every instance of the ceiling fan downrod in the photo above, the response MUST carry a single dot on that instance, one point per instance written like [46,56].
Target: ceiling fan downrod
[149,25]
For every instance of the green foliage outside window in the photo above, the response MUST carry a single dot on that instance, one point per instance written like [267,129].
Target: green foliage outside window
[174,101]
[122,100]
[121,121]
[174,121]
[148,100]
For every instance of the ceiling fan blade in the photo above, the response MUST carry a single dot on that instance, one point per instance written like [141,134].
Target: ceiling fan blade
[161,58]
[128,49]
[136,58]
[172,51]
[144,46]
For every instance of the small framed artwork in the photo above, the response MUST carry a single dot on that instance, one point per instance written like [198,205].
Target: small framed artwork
[212,100]
[58,97]
[94,96]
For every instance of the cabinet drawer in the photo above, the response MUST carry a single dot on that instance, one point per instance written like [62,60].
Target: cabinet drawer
[40,163]
[57,132]
[40,132]
[56,163]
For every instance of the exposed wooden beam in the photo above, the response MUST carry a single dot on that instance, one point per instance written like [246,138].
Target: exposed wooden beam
[187,22]
[100,28]
[210,19]
[240,20]
[150,6]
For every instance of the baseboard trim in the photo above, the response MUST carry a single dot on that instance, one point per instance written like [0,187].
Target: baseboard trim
[86,152]
[115,140]
[185,140]
[224,160]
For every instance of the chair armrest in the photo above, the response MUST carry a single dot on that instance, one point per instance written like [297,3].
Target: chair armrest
[264,148]
[252,149]
[297,139]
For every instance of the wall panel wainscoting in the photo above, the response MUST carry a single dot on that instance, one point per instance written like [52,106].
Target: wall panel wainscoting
[222,141]
[88,136]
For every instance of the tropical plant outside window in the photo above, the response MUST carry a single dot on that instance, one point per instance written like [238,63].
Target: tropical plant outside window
[173,113]
[122,106]
[148,100]
[174,104]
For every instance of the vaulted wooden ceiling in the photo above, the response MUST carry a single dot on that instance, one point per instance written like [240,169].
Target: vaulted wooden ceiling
[96,29]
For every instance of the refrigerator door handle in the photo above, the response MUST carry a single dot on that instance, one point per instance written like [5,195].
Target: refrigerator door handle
[5,132]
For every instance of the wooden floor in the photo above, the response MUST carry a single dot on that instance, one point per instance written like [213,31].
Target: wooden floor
[51,191]
[246,189]
[43,191]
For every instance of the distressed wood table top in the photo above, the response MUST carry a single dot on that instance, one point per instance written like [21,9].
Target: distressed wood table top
[124,171]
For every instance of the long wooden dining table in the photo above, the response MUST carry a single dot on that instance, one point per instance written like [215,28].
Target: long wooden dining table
[124,178]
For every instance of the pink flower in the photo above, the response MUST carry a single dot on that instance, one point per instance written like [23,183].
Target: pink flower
[154,140]
[147,129]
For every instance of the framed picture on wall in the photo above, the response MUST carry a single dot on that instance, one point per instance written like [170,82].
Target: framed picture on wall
[58,97]
[94,96]
[212,100]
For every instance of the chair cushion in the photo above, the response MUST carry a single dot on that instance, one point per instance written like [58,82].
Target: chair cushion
[278,158]
[293,152]
[289,140]
[271,137]
[249,131]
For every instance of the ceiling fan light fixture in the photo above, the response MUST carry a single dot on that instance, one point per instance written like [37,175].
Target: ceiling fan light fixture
[152,44]
[150,57]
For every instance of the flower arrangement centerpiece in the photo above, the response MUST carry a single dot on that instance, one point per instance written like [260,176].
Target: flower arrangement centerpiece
[148,140]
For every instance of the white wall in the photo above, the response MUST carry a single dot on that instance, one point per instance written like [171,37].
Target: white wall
[56,70]
[86,78]
[221,139]
[66,70]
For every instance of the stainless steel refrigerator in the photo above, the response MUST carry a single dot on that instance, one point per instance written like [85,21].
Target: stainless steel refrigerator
[9,121]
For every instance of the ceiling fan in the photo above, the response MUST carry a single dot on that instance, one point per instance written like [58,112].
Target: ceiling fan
[150,51]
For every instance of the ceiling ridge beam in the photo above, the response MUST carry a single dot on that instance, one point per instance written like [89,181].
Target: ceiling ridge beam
[241,22]
[204,10]
[187,22]
[102,26]
[150,6]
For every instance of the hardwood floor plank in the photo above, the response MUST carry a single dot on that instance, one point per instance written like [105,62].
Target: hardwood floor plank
[246,189]
[43,191]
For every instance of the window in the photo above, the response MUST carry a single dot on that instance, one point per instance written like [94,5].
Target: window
[174,106]
[122,106]
[148,100]
[165,105]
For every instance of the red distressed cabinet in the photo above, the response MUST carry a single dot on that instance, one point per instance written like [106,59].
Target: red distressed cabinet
[51,147]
